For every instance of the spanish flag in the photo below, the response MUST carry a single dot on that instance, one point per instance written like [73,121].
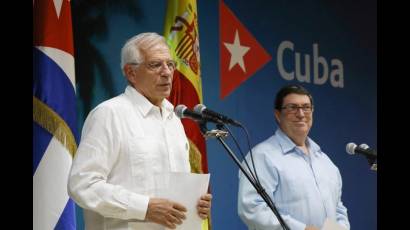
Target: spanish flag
[181,33]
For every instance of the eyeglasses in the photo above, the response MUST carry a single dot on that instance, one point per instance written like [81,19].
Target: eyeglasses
[156,65]
[293,108]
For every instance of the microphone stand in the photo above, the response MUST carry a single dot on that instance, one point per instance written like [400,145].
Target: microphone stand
[258,187]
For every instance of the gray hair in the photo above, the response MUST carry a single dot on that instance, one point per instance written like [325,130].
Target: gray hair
[131,51]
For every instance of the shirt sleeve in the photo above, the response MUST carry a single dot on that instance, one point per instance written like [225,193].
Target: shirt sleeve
[252,208]
[341,210]
[97,152]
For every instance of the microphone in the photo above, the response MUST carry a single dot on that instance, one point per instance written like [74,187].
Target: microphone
[363,149]
[201,109]
[183,112]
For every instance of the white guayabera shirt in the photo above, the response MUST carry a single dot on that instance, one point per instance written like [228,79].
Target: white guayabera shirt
[125,142]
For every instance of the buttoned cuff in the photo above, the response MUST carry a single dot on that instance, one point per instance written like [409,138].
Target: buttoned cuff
[137,206]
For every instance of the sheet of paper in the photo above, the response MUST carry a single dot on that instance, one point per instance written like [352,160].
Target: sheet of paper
[186,189]
[332,225]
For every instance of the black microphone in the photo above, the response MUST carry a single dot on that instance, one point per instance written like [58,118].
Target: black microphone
[363,149]
[201,109]
[183,112]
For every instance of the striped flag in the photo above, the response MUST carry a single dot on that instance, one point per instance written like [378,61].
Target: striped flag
[54,114]
[181,33]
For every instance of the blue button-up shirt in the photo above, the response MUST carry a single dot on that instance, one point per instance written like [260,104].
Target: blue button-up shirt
[306,189]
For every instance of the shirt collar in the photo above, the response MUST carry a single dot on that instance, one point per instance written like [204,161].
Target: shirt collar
[289,146]
[145,106]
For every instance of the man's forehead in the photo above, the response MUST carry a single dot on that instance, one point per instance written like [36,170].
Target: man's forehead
[158,50]
[296,98]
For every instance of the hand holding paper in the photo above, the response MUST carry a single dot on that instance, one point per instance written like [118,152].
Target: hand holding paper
[186,189]
[204,206]
[165,212]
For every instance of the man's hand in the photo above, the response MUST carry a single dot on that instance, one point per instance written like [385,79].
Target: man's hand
[204,206]
[312,228]
[165,212]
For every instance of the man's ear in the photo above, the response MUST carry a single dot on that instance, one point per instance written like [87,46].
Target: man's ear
[277,115]
[129,72]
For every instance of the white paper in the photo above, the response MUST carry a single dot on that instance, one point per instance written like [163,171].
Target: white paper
[332,225]
[186,189]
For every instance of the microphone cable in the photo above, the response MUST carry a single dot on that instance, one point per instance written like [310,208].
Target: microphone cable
[254,176]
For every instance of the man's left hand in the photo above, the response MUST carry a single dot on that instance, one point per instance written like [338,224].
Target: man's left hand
[204,206]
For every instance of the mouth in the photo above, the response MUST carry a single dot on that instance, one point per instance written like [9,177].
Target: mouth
[164,85]
[299,123]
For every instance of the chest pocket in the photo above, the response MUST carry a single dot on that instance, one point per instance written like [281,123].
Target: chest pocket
[145,156]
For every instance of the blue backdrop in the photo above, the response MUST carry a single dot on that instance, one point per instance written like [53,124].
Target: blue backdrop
[342,30]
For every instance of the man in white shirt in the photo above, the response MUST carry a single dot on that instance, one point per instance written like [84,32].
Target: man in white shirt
[127,140]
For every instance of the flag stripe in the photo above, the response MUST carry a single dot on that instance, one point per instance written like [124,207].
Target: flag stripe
[50,186]
[52,86]
[184,92]
[53,29]
[63,59]
[67,218]
[41,138]
[54,124]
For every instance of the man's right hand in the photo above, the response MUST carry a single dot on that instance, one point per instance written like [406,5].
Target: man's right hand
[165,212]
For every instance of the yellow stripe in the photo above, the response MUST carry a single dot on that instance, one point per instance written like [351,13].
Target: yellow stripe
[184,43]
[195,158]
[53,123]
[206,224]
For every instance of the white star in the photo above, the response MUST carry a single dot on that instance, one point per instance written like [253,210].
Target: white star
[57,5]
[237,52]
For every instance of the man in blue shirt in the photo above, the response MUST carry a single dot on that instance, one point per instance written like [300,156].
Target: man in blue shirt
[301,180]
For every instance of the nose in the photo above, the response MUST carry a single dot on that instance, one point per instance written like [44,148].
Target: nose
[166,72]
[299,112]
[166,67]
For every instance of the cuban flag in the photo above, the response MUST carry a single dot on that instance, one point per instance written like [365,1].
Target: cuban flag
[54,114]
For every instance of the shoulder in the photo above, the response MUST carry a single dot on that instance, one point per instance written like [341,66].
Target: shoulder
[269,146]
[112,106]
[109,111]
[268,152]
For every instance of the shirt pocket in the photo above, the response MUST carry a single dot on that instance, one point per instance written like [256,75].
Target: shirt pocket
[331,186]
[141,153]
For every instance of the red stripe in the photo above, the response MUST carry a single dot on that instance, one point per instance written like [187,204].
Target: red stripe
[51,30]
[183,92]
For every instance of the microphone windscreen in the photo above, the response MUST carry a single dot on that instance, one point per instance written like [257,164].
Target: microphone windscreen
[364,146]
[179,110]
[199,108]
[350,147]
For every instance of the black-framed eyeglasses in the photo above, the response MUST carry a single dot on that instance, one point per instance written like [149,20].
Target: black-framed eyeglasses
[156,65]
[293,108]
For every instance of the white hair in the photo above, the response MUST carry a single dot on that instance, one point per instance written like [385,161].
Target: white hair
[131,51]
